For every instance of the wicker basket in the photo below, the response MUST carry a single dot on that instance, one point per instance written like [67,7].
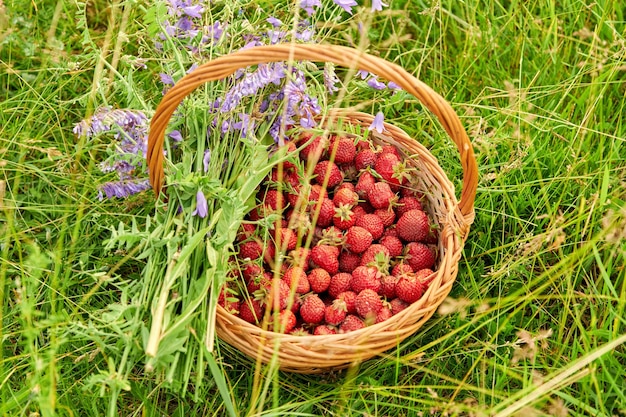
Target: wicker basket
[312,354]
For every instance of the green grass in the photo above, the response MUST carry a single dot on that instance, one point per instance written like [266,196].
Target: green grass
[536,322]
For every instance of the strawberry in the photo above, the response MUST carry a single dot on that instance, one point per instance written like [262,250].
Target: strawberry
[343,185]
[397,305]
[390,149]
[323,330]
[365,159]
[274,199]
[366,206]
[391,231]
[419,256]
[380,195]
[228,300]
[377,256]
[384,314]
[250,270]
[349,300]
[368,303]
[407,203]
[247,230]
[345,196]
[312,309]
[326,212]
[365,277]
[316,192]
[401,268]
[329,173]
[388,286]
[251,311]
[296,278]
[277,294]
[372,223]
[413,226]
[300,331]
[300,257]
[348,261]
[287,238]
[319,280]
[387,216]
[358,211]
[315,149]
[260,281]
[365,182]
[344,217]
[425,275]
[351,323]
[332,236]
[358,239]
[284,322]
[390,168]
[250,250]
[344,149]
[409,289]
[393,245]
[335,313]
[325,256]
[339,283]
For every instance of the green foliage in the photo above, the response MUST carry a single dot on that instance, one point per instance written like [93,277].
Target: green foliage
[536,320]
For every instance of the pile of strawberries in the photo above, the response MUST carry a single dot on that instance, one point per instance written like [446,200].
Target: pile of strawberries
[346,246]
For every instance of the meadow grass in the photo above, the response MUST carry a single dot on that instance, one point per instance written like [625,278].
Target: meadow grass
[535,324]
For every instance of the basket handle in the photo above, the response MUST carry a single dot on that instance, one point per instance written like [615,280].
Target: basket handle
[340,55]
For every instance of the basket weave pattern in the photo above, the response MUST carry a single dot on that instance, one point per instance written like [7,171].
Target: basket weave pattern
[310,354]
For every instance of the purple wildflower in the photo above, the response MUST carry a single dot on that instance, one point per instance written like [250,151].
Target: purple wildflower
[274,22]
[166,79]
[123,189]
[375,84]
[377,5]
[195,11]
[206,159]
[251,83]
[308,6]
[201,205]
[330,78]
[347,5]
[377,123]
[393,86]
[176,136]
[363,74]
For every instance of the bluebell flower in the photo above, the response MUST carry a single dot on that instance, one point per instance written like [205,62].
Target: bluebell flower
[206,159]
[363,74]
[274,22]
[393,86]
[377,5]
[347,5]
[176,136]
[375,84]
[309,6]
[201,205]
[166,79]
[377,123]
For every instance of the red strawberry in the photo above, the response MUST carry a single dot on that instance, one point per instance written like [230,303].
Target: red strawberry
[419,256]
[228,300]
[274,199]
[377,256]
[278,294]
[339,283]
[323,330]
[325,256]
[328,172]
[393,245]
[250,270]
[300,331]
[365,182]
[387,216]
[344,217]
[332,236]
[315,148]
[287,238]
[388,286]
[409,289]
[358,211]
[407,203]
[402,268]
[247,230]
[358,239]
[260,281]
[365,277]
[335,313]
[390,149]
[348,261]
[425,275]
[319,280]
[326,212]
[351,323]
[316,192]
[390,168]
[344,149]
[250,250]
[384,314]
[368,303]
[346,197]
[347,185]
[296,278]
[285,321]
[413,226]
[372,223]
[365,158]
[312,309]
[300,257]
[397,305]
[391,231]
[251,311]
[349,299]
[380,195]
